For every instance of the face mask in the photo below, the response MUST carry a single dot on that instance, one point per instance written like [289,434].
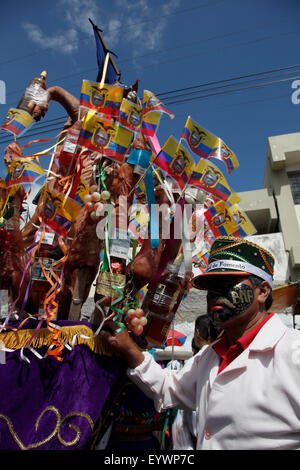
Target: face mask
[235,301]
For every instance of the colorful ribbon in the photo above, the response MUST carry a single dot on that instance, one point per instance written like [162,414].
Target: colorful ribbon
[142,158]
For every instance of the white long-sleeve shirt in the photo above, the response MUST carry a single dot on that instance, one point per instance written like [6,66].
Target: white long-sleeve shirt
[254,403]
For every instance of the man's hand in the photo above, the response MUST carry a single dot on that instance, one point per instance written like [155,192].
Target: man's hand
[122,344]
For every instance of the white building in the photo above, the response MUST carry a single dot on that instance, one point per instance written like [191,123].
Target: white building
[275,209]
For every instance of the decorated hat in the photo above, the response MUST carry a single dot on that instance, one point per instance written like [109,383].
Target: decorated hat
[235,256]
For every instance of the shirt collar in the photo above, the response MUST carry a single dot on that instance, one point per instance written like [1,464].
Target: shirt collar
[221,346]
[249,337]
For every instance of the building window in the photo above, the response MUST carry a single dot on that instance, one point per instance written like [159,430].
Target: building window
[294,180]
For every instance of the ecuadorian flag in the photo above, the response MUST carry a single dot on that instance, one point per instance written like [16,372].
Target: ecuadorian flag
[175,161]
[17,121]
[223,152]
[23,171]
[130,115]
[220,219]
[138,224]
[106,137]
[209,178]
[245,227]
[226,219]
[81,191]
[104,99]
[200,141]
[200,260]
[152,103]
[58,211]
[150,123]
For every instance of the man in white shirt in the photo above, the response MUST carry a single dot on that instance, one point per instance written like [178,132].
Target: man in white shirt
[245,387]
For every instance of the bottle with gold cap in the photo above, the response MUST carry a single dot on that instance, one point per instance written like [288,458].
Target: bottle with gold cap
[35,93]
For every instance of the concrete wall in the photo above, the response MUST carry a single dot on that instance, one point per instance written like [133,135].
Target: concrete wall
[283,155]
[273,242]
[283,150]
[297,209]
[260,207]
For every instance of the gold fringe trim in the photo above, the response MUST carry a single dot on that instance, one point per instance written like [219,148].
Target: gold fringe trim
[18,339]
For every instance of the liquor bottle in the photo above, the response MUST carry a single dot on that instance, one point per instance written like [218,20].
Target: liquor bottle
[111,284]
[35,93]
[161,305]
[69,153]
[46,256]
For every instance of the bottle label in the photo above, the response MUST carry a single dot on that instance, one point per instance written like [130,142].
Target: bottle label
[120,244]
[139,170]
[158,295]
[71,141]
[37,94]
[161,298]
[106,281]
[10,225]
[69,146]
[48,238]
[37,271]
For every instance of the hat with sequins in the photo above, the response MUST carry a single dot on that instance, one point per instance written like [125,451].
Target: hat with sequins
[235,256]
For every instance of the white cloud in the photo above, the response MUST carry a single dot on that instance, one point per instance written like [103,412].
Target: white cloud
[112,32]
[78,12]
[65,42]
[76,16]
[146,26]
[139,7]
[169,7]
[137,22]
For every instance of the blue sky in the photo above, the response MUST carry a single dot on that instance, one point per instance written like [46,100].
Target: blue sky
[169,45]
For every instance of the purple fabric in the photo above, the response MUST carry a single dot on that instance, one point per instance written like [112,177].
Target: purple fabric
[75,389]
